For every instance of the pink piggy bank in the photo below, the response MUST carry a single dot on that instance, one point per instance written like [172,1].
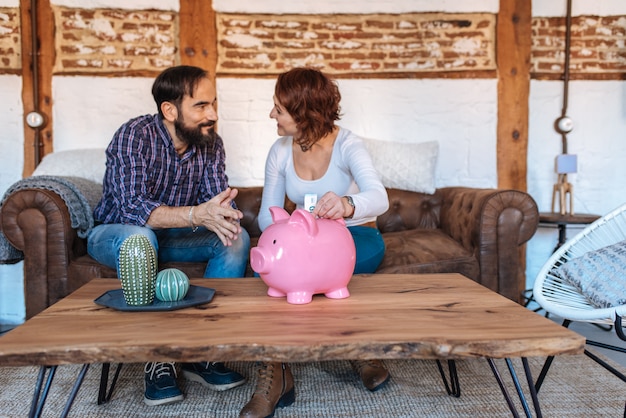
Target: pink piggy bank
[299,256]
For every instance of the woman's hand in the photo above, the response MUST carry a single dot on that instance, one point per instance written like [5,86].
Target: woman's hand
[331,206]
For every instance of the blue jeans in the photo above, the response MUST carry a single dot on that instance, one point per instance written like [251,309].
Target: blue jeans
[370,248]
[174,244]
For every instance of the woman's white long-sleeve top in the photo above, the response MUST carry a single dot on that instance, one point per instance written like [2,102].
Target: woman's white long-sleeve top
[350,172]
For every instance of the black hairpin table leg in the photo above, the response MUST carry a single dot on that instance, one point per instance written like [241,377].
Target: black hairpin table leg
[518,388]
[454,387]
[103,396]
[39,396]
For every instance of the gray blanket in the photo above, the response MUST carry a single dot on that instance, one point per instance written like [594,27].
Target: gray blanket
[79,194]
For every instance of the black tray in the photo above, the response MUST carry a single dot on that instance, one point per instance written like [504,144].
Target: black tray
[196,295]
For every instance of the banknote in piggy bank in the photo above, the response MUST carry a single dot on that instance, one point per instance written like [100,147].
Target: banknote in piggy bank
[300,255]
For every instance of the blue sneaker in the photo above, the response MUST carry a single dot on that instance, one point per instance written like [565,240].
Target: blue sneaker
[160,384]
[214,376]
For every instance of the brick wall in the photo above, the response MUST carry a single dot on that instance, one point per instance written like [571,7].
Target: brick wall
[597,45]
[106,41]
[10,39]
[356,44]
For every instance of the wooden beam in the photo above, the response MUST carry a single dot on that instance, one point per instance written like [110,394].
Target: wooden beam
[513,34]
[37,78]
[198,35]
[31,136]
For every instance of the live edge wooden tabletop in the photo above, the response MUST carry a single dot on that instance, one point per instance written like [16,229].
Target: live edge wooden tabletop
[434,316]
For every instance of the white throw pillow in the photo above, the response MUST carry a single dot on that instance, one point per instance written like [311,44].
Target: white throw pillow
[86,163]
[405,165]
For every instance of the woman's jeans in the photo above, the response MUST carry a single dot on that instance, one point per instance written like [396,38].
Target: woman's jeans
[174,245]
[370,248]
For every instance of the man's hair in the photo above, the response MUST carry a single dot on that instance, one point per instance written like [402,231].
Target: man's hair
[174,83]
[312,99]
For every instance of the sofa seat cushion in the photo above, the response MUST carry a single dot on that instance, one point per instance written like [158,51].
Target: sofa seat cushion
[89,268]
[426,251]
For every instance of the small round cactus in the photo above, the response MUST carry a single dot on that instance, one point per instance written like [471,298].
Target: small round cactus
[138,268]
[171,285]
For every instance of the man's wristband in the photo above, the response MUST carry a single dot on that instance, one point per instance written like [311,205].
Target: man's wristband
[193,227]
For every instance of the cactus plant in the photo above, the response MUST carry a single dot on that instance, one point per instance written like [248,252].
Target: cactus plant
[171,285]
[138,270]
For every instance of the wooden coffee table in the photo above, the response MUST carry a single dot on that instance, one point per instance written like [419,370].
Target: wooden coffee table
[430,316]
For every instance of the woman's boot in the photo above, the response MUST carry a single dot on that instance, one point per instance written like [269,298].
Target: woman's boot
[372,372]
[274,388]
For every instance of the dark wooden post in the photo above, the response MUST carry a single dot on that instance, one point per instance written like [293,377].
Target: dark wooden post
[37,78]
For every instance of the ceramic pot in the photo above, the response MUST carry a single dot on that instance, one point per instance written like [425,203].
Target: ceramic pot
[171,285]
[138,268]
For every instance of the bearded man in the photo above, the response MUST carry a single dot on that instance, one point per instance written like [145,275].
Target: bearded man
[165,179]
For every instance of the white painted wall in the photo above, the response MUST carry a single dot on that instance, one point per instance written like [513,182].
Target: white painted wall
[90,120]
[460,114]
[598,109]
[11,165]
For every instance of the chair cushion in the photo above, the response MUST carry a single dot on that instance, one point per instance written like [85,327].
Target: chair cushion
[600,275]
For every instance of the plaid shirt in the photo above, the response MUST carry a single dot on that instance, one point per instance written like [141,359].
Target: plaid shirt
[144,171]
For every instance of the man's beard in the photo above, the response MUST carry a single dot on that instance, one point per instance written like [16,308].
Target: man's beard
[194,136]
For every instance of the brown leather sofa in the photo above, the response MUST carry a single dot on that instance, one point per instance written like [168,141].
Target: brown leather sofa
[477,232]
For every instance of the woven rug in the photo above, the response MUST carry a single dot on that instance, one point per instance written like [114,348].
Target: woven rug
[575,387]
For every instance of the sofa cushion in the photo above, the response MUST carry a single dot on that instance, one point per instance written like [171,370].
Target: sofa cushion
[89,163]
[405,165]
[421,251]
[85,266]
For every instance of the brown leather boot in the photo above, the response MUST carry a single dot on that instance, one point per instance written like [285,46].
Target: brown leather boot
[372,372]
[274,388]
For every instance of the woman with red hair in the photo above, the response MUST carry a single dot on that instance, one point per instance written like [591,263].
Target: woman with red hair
[330,165]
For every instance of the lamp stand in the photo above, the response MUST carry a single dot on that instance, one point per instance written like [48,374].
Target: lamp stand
[563,188]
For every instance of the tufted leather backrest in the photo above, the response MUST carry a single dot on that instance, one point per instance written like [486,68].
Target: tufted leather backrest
[407,210]
[410,210]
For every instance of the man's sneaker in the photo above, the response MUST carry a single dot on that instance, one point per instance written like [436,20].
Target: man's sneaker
[215,376]
[160,384]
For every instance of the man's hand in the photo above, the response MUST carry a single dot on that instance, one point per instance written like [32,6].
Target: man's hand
[217,215]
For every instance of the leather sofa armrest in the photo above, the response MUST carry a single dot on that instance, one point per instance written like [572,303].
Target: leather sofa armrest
[493,224]
[37,222]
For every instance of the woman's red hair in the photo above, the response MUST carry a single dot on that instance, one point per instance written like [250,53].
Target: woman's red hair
[312,99]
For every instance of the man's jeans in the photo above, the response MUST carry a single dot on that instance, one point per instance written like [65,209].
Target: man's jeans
[174,244]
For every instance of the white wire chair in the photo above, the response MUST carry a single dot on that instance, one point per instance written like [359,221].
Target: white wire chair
[558,297]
